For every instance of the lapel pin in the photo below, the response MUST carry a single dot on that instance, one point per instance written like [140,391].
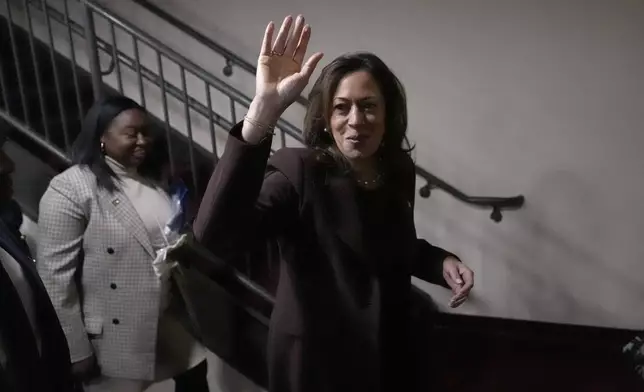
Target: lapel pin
[116,202]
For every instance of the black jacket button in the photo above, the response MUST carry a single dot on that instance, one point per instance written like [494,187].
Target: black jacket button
[113,286]
[110,251]
[115,321]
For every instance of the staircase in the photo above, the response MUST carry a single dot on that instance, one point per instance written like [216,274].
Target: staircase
[43,99]
[58,56]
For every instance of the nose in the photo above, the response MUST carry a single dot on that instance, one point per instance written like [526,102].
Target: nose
[7,166]
[142,139]
[356,116]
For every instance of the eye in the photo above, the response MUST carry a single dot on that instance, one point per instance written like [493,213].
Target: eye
[341,107]
[369,105]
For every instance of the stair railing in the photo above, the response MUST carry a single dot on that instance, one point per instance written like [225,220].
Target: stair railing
[237,99]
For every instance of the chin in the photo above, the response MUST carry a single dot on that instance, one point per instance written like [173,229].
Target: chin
[357,154]
[137,160]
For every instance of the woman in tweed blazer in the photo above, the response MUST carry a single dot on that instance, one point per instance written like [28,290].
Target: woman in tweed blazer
[99,230]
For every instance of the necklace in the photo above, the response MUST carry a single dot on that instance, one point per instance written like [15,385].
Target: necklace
[370,183]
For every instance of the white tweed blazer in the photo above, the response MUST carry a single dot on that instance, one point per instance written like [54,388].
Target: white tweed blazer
[95,259]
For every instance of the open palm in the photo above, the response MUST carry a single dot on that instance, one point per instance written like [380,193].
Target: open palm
[281,73]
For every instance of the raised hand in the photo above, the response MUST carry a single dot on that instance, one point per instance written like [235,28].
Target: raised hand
[282,73]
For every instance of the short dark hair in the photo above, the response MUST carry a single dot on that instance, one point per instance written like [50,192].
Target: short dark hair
[86,150]
[395,144]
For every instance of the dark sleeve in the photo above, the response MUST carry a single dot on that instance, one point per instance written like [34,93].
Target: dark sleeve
[246,199]
[428,264]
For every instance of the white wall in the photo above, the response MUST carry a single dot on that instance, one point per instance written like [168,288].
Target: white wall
[544,98]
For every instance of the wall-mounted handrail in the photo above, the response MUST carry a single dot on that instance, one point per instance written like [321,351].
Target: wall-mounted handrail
[495,203]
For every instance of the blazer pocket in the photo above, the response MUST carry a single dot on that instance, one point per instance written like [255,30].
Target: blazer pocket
[94,327]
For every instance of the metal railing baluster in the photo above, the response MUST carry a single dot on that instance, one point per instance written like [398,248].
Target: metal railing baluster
[186,104]
[18,65]
[54,65]
[34,59]
[72,56]
[233,116]
[137,62]
[211,123]
[115,57]
[166,115]
[92,51]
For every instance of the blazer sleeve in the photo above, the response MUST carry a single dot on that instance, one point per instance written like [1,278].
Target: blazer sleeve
[428,264]
[61,225]
[247,198]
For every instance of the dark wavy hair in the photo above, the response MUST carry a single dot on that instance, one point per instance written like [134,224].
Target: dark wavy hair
[86,150]
[395,144]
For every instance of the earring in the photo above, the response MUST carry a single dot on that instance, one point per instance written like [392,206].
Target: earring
[103,147]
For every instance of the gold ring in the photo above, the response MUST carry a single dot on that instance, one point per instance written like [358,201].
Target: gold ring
[274,53]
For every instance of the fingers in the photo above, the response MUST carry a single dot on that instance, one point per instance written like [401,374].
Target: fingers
[452,277]
[294,37]
[461,295]
[311,63]
[468,277]
[268,40]
[457,301]
[302,44]
[280,42]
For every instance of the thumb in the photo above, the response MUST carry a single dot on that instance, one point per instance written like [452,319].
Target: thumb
[311,63]
[454,275]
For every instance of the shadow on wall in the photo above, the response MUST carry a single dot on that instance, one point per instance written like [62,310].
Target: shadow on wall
[555,256]
[556,260]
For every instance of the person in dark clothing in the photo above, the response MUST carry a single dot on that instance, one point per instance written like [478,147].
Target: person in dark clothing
[33,348]
[341,210]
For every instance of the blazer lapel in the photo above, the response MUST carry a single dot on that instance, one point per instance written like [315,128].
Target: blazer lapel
[344,213]
[121,207]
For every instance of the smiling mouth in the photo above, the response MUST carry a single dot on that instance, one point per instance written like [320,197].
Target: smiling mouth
[357,138]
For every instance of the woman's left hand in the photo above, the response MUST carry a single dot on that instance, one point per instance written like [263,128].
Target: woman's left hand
[459,278]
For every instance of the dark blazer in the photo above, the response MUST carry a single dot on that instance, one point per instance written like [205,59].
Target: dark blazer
[317,338]
[51,372]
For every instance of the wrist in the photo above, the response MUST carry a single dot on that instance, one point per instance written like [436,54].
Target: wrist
[450,259]
[263,111]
